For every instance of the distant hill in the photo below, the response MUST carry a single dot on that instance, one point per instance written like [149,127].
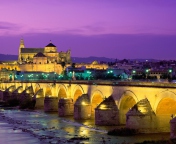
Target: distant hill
[4,57]
[144,60]
[91,59]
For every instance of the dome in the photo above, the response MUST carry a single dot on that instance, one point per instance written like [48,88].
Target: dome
[39,55]
[95,62]
[50,45]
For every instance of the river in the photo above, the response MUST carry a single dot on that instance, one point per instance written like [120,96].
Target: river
[30,127]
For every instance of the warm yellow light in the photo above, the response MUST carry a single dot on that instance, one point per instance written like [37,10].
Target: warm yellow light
[83,103]
[37,96]
[103,106]
[142,109]
[19,91]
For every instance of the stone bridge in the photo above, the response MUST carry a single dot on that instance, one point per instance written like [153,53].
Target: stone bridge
[144,105]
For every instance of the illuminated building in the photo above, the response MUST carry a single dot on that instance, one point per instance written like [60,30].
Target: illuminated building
[48,54]
[46,59]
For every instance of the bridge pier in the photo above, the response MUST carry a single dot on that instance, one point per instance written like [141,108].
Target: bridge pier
[173,128]
[82,107]
[16,95]
[39,102]
[6,96]
[1,95]
[65,107]
[51,104]
[106,113]
[82,111]
[142,117]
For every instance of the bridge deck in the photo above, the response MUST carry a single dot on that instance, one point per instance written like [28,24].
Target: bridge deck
[108,83]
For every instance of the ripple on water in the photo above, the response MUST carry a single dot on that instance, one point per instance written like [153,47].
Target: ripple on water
[49,127]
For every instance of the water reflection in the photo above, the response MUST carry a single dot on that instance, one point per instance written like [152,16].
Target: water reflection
[50,127]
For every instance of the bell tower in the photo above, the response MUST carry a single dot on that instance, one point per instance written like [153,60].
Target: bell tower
[22,44]
[20,47]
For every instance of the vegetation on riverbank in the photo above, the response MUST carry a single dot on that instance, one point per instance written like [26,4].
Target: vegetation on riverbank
[22,104]
[123,132]
[171,141]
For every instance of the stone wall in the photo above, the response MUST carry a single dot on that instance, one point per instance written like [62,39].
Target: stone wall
[65,107]
[106,117]
[51,104]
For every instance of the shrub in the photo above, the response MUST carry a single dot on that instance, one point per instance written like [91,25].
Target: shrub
[122,132]
[13,102]
[27,104]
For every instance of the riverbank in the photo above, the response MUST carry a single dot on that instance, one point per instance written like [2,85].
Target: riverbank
[49,128]
[15,136]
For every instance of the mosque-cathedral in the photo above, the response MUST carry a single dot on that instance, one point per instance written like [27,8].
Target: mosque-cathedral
[46,59]
[48,54]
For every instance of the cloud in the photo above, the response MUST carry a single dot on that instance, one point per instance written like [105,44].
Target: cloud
[93,29]
[9,26]
[118,46]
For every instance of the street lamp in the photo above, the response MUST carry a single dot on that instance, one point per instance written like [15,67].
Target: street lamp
[170,71]
[133,71]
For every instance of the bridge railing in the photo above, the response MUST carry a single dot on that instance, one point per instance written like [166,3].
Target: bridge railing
[103,82]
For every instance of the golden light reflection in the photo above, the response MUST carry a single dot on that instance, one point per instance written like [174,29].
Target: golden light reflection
[37,96]
[103,107]
[142,109]
[82,131]
[19,91]
[83,103]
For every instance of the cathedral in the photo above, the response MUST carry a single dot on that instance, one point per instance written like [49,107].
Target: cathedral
[46,59]
[39,60]
[48,54]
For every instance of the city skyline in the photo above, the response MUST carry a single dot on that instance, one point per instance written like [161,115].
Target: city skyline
[114,29]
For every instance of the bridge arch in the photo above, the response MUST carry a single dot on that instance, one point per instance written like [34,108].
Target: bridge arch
[36,87]
[39,93]
[29,90]
[47,90]
[77,92]
[127,101]
[165,107]
[62,91]
[163,98]
[96,98]
[19,89]
[11,88]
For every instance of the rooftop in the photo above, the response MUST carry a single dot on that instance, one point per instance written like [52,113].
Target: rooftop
[40,54]
[50,45]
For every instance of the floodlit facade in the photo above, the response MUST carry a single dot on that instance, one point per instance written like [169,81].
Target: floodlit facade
[48,54]
[46,59]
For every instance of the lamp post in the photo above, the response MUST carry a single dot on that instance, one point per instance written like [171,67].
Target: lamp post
[170,73]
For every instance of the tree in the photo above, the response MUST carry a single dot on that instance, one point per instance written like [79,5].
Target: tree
[73,65]
[63,64]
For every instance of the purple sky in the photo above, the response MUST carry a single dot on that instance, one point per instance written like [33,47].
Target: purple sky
[110,28]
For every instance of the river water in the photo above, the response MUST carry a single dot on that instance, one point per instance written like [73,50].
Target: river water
[30,127]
